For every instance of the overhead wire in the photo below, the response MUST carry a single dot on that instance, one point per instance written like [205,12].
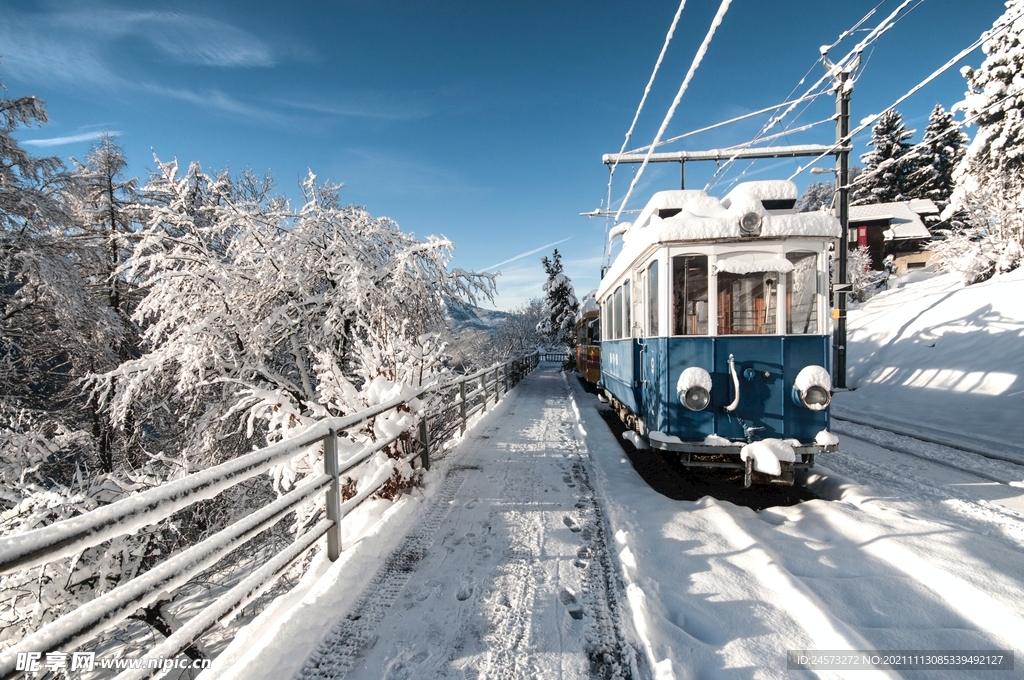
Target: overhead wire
[809,95]
[870,120]
[737,119]
[698,57]
[851,56]
[643,100]
[916,150]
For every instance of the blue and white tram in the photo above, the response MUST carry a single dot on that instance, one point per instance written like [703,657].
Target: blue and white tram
[715,319]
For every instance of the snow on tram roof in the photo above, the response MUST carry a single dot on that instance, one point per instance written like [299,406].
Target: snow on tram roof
[695,216]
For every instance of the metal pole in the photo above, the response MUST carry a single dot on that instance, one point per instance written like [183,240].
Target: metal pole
[333,496]
[424,444]
[682,174]
[843,189]
[462,406]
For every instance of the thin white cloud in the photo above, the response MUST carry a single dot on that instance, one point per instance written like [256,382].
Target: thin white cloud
[75,46]
[219,101]
[185,38]
[526,254]
[69,139]
[374,106]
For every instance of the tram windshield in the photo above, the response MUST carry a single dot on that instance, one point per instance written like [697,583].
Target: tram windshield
[747,303]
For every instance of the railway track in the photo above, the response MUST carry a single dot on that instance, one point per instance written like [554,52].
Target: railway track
[994,467]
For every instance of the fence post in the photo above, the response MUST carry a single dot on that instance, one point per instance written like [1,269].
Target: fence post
[330,443]
[462,406]
[483,386]
[424,443]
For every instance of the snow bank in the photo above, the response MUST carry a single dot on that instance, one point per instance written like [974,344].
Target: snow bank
[937,356]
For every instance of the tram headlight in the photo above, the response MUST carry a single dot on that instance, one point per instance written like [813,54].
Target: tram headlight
[696,398]
[813,388]
[750,224]
[694,388]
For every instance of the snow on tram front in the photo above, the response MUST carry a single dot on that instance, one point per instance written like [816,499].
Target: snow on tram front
[714,329]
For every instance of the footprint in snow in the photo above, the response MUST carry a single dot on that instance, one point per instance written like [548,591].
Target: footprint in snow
[571,523]
[465,589]
[472,504]
[571,604]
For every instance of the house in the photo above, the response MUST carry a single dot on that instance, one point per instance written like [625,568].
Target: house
[896,229]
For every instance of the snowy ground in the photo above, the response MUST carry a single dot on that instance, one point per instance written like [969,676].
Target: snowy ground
[536,550]
[503,570]
[935,356]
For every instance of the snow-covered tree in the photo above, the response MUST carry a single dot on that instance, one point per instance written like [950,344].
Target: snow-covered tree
[817,196]
[260,318]
[518,333]
[56,325]
[560,304]
[936,157]
[988,198]
[887,168]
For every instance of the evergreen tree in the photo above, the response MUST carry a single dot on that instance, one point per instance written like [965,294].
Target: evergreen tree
[936,157]
[560,304]
[987,204]
[817,196]
[998,147]
[886,175]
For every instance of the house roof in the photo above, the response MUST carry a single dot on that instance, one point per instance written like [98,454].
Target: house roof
[904,218]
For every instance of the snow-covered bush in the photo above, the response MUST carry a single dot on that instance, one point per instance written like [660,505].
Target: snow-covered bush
[865,281]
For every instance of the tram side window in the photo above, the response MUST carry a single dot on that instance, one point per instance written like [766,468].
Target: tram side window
[594,328]
[652,298]
[617,323]
[627,306]
[802,293]
[690,295]
[747,303]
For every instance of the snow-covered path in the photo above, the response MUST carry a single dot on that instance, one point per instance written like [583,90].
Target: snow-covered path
[503,574]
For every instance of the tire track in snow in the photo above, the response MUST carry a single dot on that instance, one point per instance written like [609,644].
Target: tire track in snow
[353,634]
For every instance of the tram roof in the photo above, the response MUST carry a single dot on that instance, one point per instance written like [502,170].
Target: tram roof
[693,216]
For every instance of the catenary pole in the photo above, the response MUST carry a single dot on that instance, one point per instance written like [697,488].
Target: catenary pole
[844,87]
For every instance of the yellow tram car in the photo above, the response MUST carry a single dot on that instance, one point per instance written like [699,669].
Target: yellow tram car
[588,340]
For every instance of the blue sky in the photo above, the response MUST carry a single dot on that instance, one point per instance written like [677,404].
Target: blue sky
[481,121]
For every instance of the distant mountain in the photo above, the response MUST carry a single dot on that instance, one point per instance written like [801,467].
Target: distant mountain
[473,317]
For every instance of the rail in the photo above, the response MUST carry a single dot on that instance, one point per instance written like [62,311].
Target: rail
[448,407]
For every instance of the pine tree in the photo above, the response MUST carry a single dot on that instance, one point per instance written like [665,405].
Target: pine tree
[994,100]
[560,304]
[885,178]
[936,157]
[988,199]
[817,196]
